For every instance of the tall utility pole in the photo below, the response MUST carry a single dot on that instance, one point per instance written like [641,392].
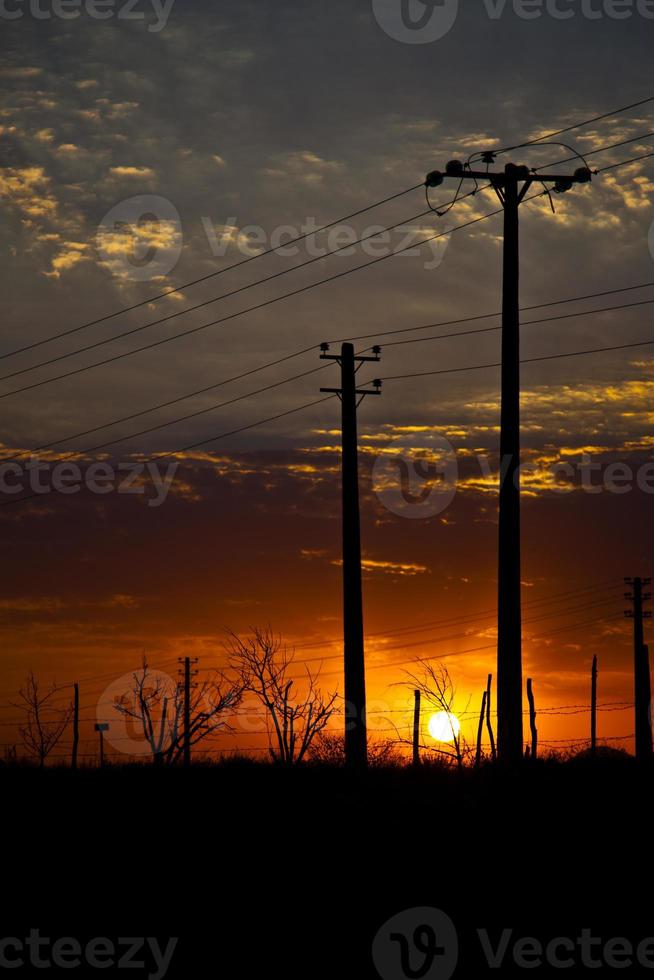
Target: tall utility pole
[356,751]
[187,673]
[642,681]
[511,186]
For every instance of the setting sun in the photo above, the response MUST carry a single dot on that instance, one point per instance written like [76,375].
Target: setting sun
[444,726]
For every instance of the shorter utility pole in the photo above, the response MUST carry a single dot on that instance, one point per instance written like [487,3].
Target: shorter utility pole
[532,719]
[489,723]
[356,748]
[593,707]
[480,730]
[642,680]
[73,761]
[187,674]
[416,729]
[102,728]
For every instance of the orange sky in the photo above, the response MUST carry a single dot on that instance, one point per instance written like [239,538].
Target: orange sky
[253,538]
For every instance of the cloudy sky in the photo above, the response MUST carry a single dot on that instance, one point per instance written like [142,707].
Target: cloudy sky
[163,144]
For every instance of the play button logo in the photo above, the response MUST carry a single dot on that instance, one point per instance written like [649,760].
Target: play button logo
[417,944]
[416,21]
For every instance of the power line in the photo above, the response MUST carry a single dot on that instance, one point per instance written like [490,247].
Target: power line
[486,316]
[231,316]
[297,240]
[398,377]
[564,596]
[307,350]
[592,153]
[256,307]
[459,636]
[207,302]
[222,435]
[191,415]
[527,323]
[624,163]
[578,125]
[278,384]
[475,617]
[216,299]
[488,646]
[211,275]
[526,360]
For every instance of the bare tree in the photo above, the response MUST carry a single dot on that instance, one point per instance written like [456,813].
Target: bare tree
[45,722]
[262,662]
[157,707]
[437,688]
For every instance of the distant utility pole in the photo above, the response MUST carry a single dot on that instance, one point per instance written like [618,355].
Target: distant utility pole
[187,674]
[416,729]
[593,707]
[511,186]
[73,761]
[101,728]
[480,729]
[642,681]
[489,722]
[356,751]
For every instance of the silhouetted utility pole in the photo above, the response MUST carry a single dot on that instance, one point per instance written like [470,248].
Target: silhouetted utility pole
[532,719]
[489,722]
[480,729]
[73,761]
[642,681]
[187,673]
[416,729]
[511,186]
[593,707]
[356,752]
[101,728]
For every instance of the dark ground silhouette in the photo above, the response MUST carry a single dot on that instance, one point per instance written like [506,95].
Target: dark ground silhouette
[267,871]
